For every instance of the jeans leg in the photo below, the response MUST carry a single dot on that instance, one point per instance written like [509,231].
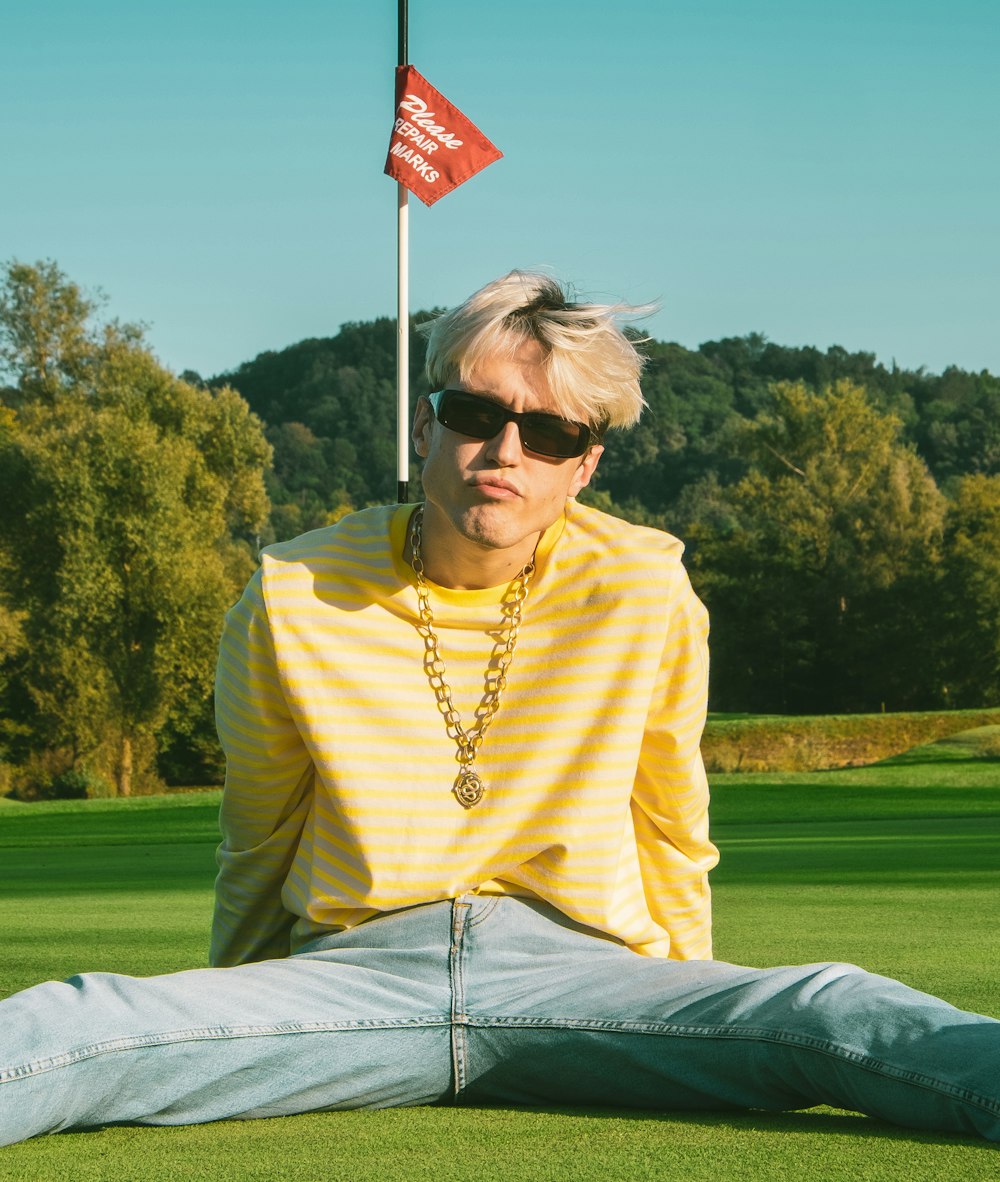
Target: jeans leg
[362,1019]
[556,1013]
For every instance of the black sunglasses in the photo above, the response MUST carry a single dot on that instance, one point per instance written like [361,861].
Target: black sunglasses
[482,418]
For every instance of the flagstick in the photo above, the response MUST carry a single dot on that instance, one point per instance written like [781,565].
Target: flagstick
[402,346]
[402,300]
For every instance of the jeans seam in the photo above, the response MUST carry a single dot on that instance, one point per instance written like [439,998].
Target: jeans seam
[749,1034]
[140,1042]
[459,1050]
[487,911]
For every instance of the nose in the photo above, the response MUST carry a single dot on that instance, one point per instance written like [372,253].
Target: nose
[505,446]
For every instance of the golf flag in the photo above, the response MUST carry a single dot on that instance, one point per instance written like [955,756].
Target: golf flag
[434,148]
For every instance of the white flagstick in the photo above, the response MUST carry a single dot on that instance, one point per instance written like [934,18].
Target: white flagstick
[402,345]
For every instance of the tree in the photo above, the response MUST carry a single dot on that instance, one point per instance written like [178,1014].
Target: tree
[819,563]
[959,431]
[970,594]
[342,390]
[44,343]
[689,409]
[130,497]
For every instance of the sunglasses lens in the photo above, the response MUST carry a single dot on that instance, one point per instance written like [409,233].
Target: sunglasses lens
[551,436]
[470,415]
[479,418]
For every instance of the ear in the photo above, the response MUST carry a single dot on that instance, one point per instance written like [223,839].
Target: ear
[588,464]
[423,423]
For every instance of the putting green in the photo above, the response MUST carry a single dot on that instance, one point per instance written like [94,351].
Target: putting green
[894,867]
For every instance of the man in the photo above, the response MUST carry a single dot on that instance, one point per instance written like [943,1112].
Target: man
[465,837]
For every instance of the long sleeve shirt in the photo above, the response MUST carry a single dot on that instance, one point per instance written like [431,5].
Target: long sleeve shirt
[338,801]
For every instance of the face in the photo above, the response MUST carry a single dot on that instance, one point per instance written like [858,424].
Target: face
[492,493]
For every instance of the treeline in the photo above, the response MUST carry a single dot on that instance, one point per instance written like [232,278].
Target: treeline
[130,501]
[842,518]
[329,405]
[842,522]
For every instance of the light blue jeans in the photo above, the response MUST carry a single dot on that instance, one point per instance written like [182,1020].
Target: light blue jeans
[487,999]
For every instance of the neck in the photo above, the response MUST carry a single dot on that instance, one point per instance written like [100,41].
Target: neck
[462,564]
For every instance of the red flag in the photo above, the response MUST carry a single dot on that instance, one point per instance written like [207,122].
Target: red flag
[434,148]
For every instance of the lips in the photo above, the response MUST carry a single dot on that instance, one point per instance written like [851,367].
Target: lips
[495,486]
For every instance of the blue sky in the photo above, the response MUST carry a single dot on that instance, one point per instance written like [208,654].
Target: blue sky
[822,173]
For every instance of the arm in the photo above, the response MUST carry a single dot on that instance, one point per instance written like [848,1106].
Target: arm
[269,779]
[670,800]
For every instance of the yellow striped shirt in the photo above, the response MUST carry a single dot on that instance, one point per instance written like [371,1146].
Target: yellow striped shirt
[338,801]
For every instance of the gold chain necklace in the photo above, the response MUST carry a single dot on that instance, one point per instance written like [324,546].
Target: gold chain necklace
[468,787]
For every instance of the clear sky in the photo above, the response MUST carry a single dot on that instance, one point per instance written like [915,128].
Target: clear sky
[823,173]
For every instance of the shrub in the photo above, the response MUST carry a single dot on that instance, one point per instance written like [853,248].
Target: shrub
[79,784]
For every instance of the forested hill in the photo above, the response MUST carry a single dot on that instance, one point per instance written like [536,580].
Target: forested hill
[329,406]
[842,519]
[330,409]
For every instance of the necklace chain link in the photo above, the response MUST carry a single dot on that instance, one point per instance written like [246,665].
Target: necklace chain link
[468,787]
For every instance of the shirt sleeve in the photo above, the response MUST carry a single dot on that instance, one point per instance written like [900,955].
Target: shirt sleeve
[670,799]
[268,791]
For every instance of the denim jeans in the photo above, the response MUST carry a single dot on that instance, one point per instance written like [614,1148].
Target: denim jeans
[487,999]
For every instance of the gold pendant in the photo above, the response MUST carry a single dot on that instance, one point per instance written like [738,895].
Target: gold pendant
[469,789]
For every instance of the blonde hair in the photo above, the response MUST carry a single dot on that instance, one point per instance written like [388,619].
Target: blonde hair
[591,366]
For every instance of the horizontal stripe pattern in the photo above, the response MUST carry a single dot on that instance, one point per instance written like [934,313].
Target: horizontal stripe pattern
[338,800]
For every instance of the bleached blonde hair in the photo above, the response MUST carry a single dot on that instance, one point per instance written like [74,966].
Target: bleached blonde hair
[591,366]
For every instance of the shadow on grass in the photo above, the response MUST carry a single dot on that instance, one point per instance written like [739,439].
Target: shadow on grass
[94,871]
[820,1122]
[134,821]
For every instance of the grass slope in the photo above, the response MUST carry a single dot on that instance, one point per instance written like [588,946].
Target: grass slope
[893,866]
[768,743]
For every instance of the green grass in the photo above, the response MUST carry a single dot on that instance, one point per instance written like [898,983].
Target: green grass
[894,867]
